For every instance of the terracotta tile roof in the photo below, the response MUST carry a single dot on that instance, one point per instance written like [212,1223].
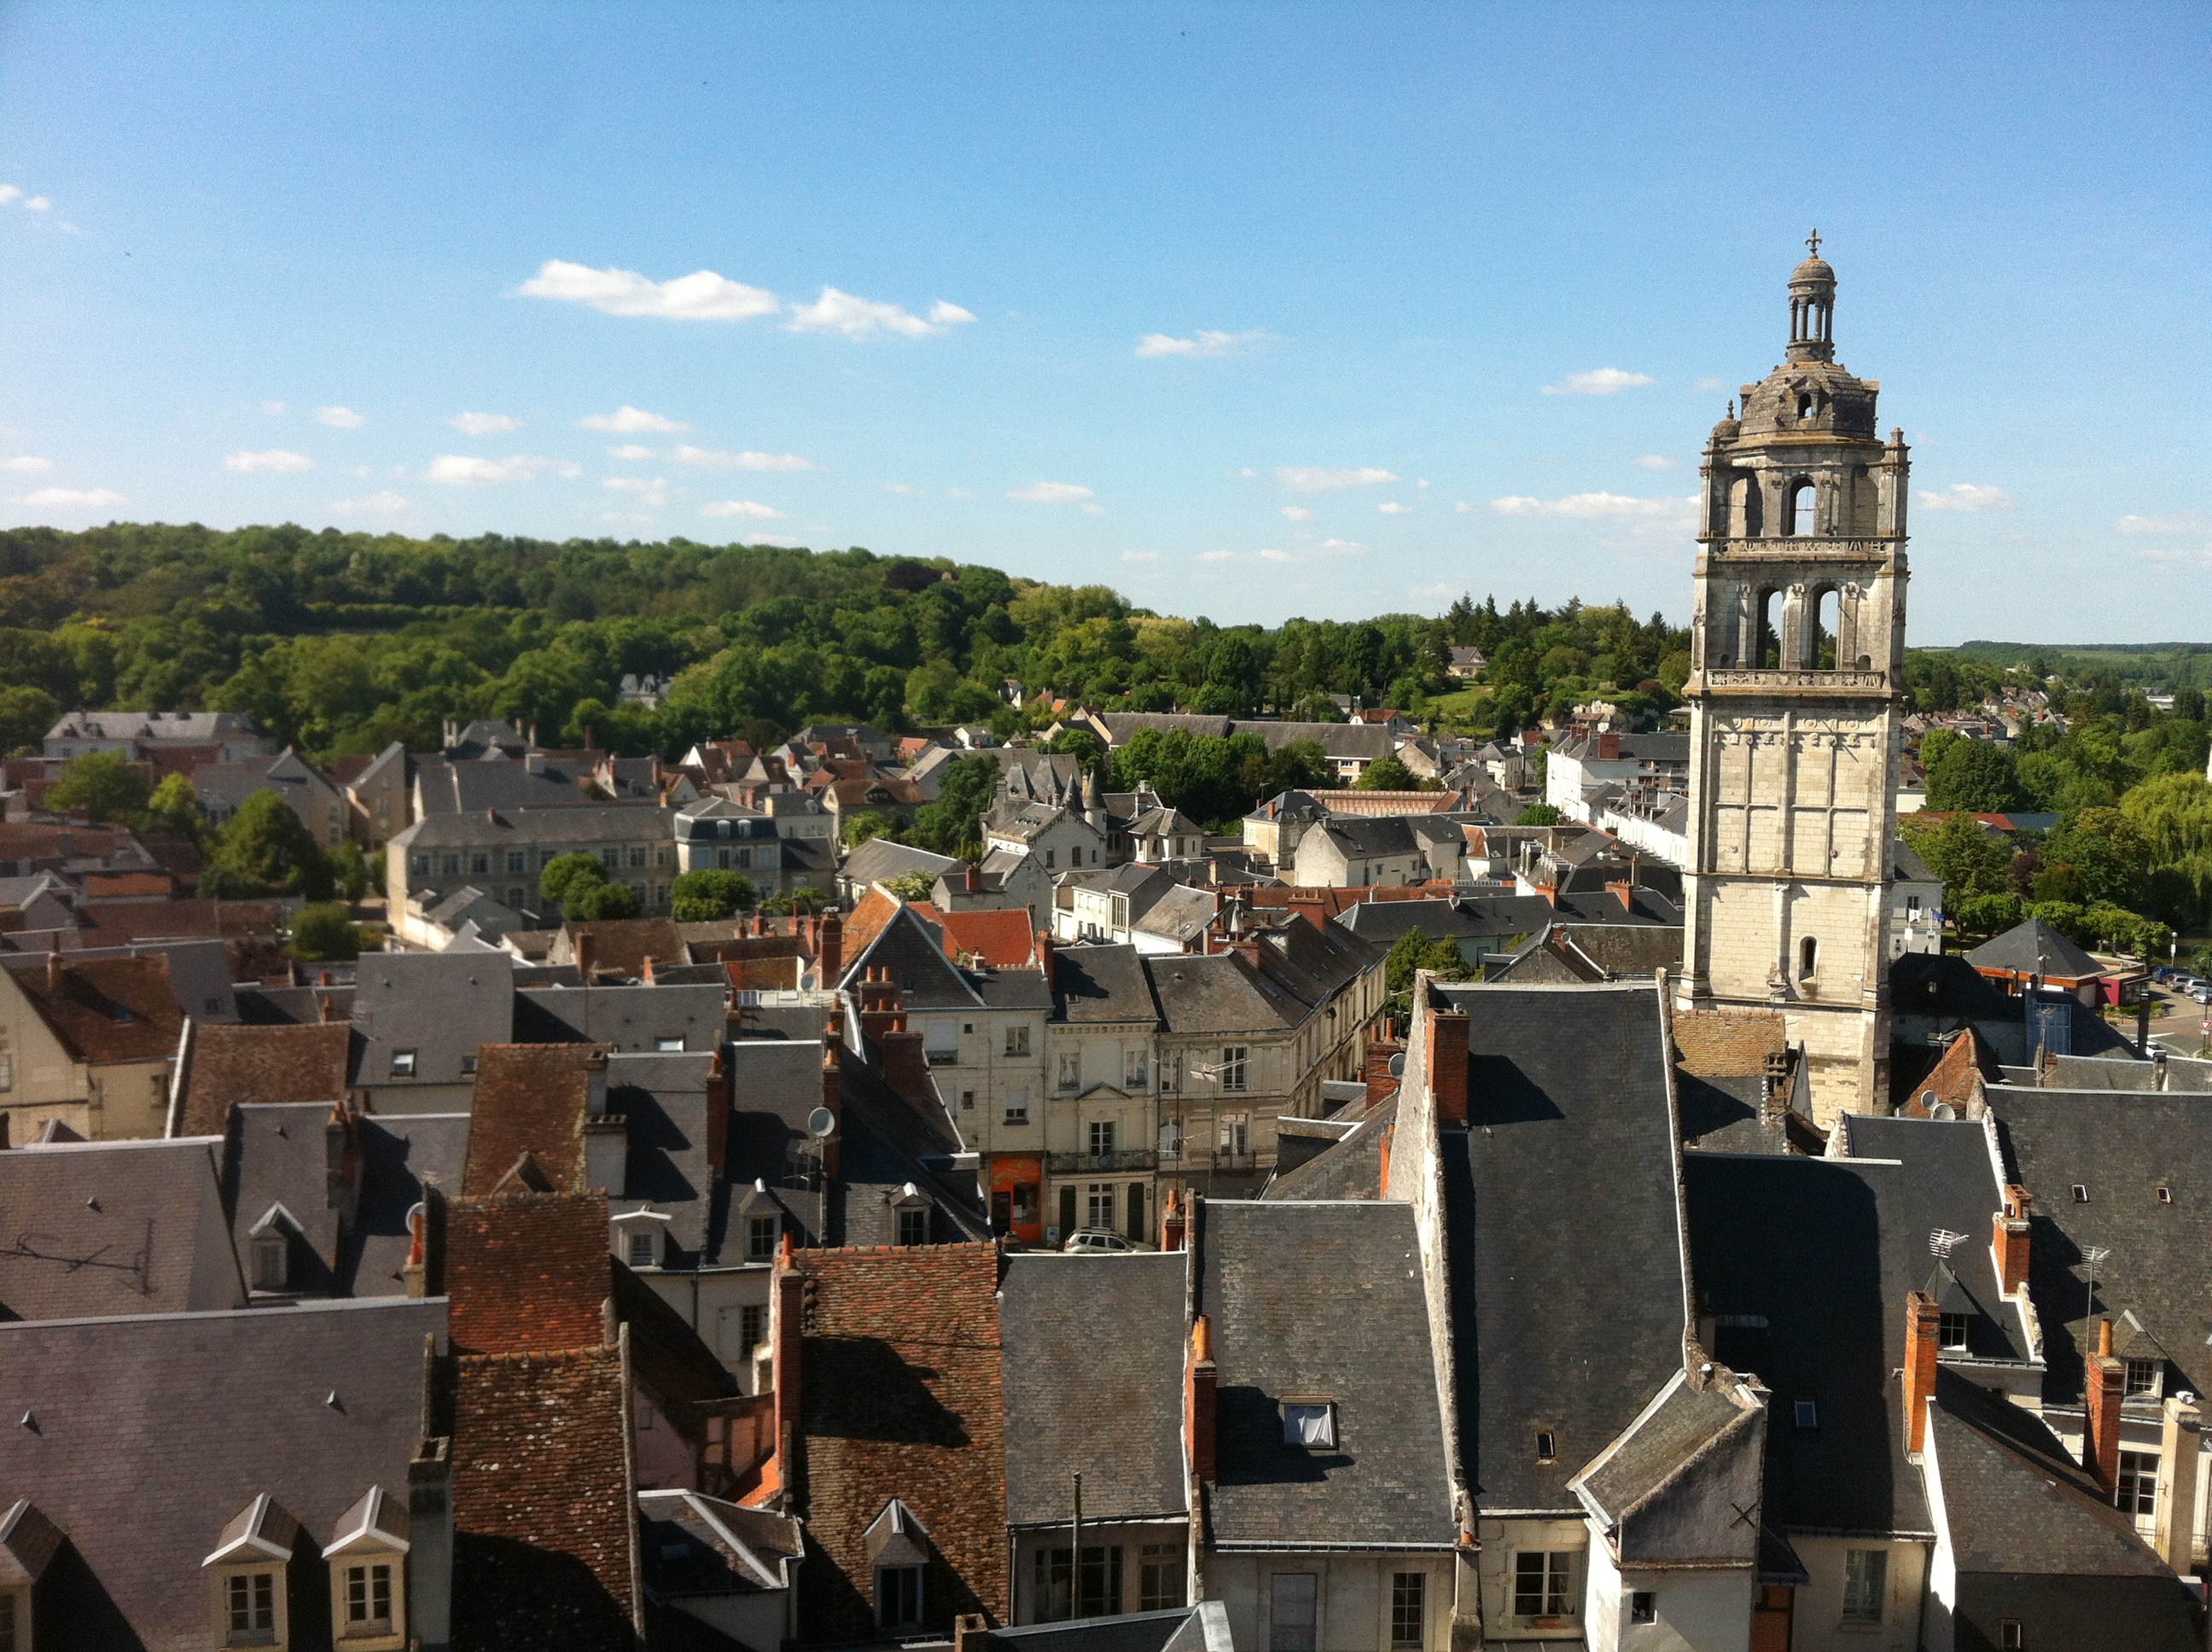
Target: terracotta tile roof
[622,944]
[108,1010]
[112,923]
[123,885]
[531,1098]
[1956,1077]
[528,1273]
[900,1397]
[29,840]
[870,916]
[1727,1043]
[765,974]
[1001,938]
[230,1065]
[545,1544]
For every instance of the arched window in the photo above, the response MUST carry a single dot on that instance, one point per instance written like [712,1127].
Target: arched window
[1744,511]
[1809,956]
[1803,495]
[1827,614]
[1766,643]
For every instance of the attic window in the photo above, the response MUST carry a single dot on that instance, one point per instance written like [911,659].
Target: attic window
[403,1064]
[1310,1423]
[2010,1637]
[2080,1193]
[669,1045]
[1808,1415]
[641,1249]
[271,1262]
[468,1064]
[1950,1330]
[1547,1446]
[250,1607]
[2141,1379]
[2165,1193]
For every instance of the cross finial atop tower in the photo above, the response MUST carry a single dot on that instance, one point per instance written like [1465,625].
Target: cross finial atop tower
[1813,241]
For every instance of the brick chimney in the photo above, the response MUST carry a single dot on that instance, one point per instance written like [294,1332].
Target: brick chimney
[1922,1324]
[879,997]
[787,1333]
[645,975]
[1048,960]
[1201,1402]
[829,950]
[581,945]
[2010,1242]
[1608,746]
[971,877]
[2104,1384]
[833,1098]
[1375,1069]
[906,1064]
[718,1116]
[1448,1065]
[971,1632]
[1170,1213]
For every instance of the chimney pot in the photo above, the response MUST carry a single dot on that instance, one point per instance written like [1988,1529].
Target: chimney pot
[1201,1402]
[2105,1390]
[1448,1065]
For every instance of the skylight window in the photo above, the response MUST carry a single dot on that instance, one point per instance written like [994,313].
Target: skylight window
[1547,1446]
[2080,1193]
[1809,1414]
[1310,1423]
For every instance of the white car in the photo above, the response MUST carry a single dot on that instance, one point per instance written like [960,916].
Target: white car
[1096,1241]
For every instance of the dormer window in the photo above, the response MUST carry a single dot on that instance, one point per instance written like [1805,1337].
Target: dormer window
[1806,405]
[2141,1379]
[248,1572]
[640,1249]
[271,1262]
[368,1576]
[249,1604]
[1950,1330]
[403,1064]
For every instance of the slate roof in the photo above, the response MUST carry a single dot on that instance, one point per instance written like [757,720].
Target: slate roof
[626,1019]
[1322,1300]
[1093,1374]
[1097,985]
[1350,1168]
[1382,923]
[879,858]
[666,1102]
[471,786]
[1686,1422]
[234,1066]
[2035,948]
[2119,1148]
[401,1154]
[1179,913]
[1568,1088]
[108,1010]
[534,1099]
[2181,1073]
[143,1500]
[126,1227]
[559,828]
[444,1006]
[280,1153]
[1220,994]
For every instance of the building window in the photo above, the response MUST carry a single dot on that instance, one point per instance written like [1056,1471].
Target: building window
[479,865]
[1017,1040]
[1160,1573]
[1051,1598]
[8,1639]
[752,1326]
[669,1044]
[368,1598]
[1547,1446]
[1809,1414]
[1236,1134]
[517,861]
[271,1262]
[641,1249]
[403,1064]
[1048,857]
[1136,1069]
[1950,1330]
[468,1065]
[1543,1584]
[610,858]
[637,860]
[914,1225]
[1642,1606]
[1099,1594]
[547,857]
[898,1597]
[1234,1069]
[1099,1206]
[761,1234]
[420,866]
[1866,1583]
[1310,1422]
[967,1100]
[1017,1112]
[1292,1614]
[2080,1193]
[250,1600]
[2136,1492]
[453,863]
[1071,1071]
[2009,1637]
[2142,1378]
[1409,1608]
[1102,1137]
[1809,958]
[516,897]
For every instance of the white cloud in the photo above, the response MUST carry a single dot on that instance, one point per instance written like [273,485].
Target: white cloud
[2179,554]
[339,418]
[652,491]
[1269,555]
[1440,592]
[1050,493]
[38,203]
[863,317]
[1094,510]
[386,503]
[629,450]
[1313,479]
[1296,513]
[483,424]
[1204,344]
[275,460]
[7,192]
[715,459]
[1217,556]
[748,508]
[959,493]
[1463,507]
[1140,557]
[627,417]
[703,295]
[65,499]
[1588,505]
[2183,522]
[1599,381]
[27,465]
[1709,383]
[1425,484]
[1966,496]
[904,490]
[273,409]
[1392,508]
[1347,547]
[461,469]
[1658,462]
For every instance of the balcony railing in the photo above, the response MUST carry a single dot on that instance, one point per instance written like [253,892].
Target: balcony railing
[1115,1164]
[1733,678]
[1227,1160]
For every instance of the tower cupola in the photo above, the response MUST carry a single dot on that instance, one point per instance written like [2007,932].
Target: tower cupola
[1813,306]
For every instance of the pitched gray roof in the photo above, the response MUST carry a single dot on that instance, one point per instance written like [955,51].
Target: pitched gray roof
[280,1153]
[631,1018]
[401,1154]
[143,1480]
[879,858]
[665,1101]
[2035,948]
[127,1227]
[1093,1356]
[1351,1168]
[602,822]
[472,787]
[1215,994]
[1103,984]
[1568,1090]
[444,1006]
[1323,1301]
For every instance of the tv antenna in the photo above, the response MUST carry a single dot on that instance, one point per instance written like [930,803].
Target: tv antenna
[1943,1241]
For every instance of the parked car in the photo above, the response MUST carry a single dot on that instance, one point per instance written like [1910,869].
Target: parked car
[1095,1241]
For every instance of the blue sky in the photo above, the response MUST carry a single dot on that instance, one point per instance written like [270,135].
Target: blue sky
[1247,311]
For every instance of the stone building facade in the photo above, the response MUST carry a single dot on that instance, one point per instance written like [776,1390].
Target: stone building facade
[1796,692]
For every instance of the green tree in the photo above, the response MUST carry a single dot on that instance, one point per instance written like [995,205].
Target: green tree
[708,896]
[2105,855]
[174,810]
[1975,776]
[1413,950]
[324,933]
[104,784]
[1969,858]
[219,882]
[1538,814]
[950,825]
[26,714]
[1989,914]
[566,872]
[1388,774]
[266,841]
[599,902]
[910,885]
[862,824]
[352,869]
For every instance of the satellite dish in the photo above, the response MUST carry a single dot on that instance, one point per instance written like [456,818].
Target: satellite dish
[1928,1100]
[821,1122]
[1398,1065]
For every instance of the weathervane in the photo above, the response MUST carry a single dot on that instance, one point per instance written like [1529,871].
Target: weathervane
[1813,241]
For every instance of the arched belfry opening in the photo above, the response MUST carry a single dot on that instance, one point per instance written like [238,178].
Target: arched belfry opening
[1802,506]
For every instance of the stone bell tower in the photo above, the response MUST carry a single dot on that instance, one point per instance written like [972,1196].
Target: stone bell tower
[1796,687]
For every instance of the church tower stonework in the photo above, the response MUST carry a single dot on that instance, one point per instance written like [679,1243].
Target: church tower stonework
[1795,690]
